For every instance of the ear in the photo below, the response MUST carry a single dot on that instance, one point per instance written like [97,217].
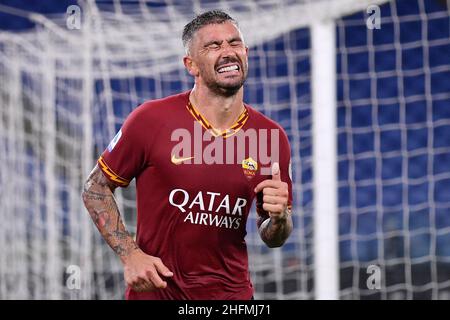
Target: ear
[191,66]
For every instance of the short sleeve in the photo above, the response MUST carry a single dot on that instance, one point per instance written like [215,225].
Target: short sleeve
[125,157]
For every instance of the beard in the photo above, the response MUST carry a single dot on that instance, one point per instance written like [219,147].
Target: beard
[226,88]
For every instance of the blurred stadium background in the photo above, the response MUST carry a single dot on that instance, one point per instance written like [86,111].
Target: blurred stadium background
[65,92]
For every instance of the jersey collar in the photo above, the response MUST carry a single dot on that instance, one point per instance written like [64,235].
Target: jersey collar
[242,119]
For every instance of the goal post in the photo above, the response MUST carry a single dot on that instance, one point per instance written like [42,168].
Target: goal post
[323,83]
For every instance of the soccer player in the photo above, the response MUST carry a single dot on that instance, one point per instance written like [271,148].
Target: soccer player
[197,173]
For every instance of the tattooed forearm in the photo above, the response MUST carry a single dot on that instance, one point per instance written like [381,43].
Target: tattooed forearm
[99,200]
[91,195]
[274,232]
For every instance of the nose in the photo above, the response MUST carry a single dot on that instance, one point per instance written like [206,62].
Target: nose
[227,50]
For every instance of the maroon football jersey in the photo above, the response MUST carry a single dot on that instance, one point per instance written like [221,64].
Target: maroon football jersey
[195,187]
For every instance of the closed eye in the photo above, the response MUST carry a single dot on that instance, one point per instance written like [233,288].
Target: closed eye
[213,45]
[235,43]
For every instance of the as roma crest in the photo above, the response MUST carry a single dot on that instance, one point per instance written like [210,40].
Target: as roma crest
[250,167]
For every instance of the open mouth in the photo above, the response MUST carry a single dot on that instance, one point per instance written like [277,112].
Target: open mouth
[228,68]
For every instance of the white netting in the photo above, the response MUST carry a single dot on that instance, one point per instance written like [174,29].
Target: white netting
[394,131]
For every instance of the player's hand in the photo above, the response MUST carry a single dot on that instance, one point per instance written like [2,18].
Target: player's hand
[275,195]
[143,272]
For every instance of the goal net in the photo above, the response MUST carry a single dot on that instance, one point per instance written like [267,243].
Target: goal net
[65,92]
[393,150]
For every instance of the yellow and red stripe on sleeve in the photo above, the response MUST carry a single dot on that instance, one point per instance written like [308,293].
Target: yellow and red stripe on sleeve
[111,175]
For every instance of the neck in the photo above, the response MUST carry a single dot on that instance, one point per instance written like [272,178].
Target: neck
[220,111]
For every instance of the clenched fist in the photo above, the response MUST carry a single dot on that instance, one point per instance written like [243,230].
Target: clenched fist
[275,194]
[143,272]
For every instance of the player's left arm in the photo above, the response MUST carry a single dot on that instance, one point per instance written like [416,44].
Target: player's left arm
[274,219]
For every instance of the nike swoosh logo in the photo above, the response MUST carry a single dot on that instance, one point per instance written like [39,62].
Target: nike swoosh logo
[176,160]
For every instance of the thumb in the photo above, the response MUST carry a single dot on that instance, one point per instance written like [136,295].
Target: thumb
[276,172]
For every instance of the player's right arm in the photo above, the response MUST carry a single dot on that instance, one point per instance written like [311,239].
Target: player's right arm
[142,272]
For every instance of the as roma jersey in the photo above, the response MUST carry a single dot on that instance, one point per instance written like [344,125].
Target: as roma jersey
[195,187]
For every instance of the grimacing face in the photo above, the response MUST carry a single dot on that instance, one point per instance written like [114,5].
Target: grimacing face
[219,58]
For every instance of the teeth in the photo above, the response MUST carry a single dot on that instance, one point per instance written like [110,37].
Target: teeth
[230,68]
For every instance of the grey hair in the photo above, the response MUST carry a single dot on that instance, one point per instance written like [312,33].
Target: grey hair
[201,20]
